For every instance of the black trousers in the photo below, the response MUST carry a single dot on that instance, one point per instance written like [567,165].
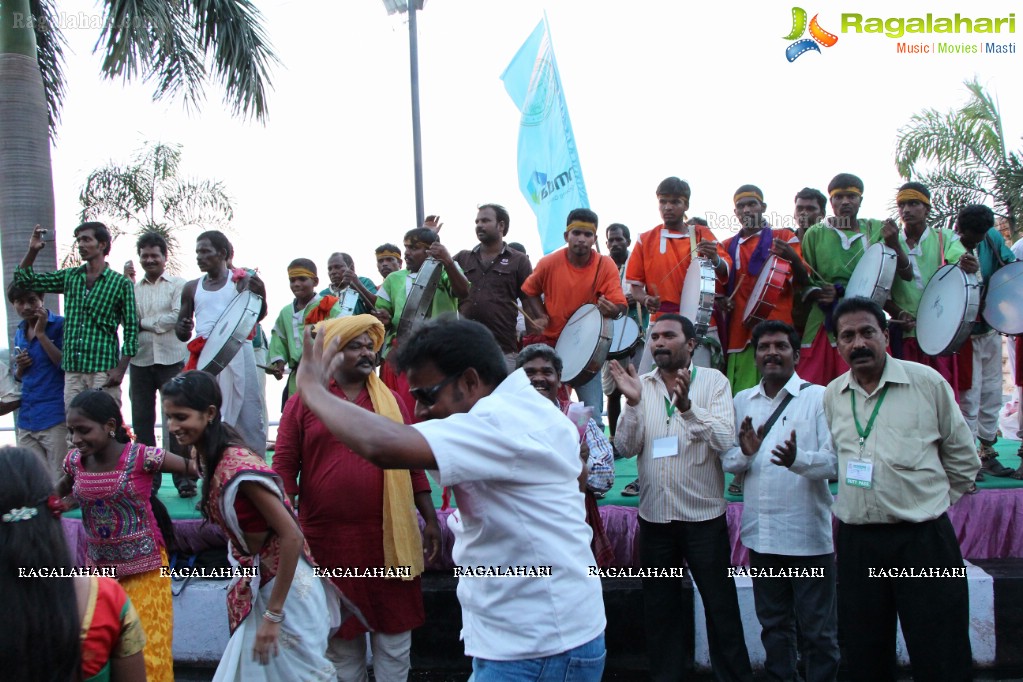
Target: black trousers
[145,383]
[704,547]
[809,601]
[934,612]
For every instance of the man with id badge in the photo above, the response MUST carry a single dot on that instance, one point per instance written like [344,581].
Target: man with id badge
[905,454]
[678,420]
[784,447]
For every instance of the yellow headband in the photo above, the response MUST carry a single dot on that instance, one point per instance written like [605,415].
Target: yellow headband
[848,190]
[301,272]
[746,195]
[388,254]
[581,225]
[910,195]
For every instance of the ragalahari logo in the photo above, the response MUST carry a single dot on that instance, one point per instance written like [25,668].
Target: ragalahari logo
[817,35]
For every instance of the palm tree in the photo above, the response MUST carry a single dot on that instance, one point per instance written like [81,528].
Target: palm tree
[179,45]
[966,157]
[148,195]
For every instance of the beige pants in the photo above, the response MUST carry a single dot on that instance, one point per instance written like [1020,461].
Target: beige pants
[390,657]
[50,444]
[77,382]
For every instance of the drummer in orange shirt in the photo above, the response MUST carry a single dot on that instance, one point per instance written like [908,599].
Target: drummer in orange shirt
[660,261]
[568,279]
[751,254]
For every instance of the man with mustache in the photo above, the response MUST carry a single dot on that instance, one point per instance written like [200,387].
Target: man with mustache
[351,530]
[343,278]
[98,300]
[679,420]
[203,301]
[832,249]
[905,454]
[543,369]
[496,274]
[784,448]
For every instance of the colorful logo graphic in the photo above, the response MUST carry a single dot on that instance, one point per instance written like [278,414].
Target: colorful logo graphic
[537,183]
[817,35]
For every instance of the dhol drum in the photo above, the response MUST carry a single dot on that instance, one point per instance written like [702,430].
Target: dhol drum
[873,276]
[349,300]
[419,301]
[767,291]
[231,330]
[1003,303]
[697,302]
[583,345]
[625,337]
[947,310]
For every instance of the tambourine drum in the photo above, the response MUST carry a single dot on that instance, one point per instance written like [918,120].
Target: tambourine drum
[625,336]
[767,291]
[419,301]
[349,299]
[697,302]
[1003,305]
[947,311]
[583,345]
[230,331]
[873,276]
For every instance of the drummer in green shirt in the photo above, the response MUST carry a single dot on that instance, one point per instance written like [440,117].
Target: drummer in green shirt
[928,249]
[832,249]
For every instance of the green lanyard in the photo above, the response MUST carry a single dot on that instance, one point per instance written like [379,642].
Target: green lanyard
[864,433]
[669,406]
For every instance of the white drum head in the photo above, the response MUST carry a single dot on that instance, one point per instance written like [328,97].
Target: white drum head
[758,288]
[689,304]
[578,340]
[1003,308]
[238,319]
[867,272]
[941,309]
[349,300]
[624,333]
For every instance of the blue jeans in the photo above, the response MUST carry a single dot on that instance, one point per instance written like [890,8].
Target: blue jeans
[582,664]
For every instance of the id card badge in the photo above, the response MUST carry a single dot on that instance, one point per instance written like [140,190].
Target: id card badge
[665,447]
[858,473]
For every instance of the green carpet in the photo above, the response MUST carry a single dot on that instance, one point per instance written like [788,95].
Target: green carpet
[625,473]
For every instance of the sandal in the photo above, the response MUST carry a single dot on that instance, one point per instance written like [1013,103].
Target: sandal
[631,490]
[735,488]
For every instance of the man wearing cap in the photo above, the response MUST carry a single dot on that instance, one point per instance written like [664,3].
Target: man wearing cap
[568,279]
[928,249]
[661,258]
[496,274]
[832,249]
[750,252]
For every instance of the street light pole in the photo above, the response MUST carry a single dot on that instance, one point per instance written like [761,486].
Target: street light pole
[417,142]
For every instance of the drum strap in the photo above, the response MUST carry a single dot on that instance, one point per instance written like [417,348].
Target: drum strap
[781,408]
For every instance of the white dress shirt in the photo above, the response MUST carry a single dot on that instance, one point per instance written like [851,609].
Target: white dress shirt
[513,462]
[158,304]
[786,510]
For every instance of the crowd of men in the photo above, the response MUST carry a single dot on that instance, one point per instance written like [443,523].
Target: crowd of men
[786,400]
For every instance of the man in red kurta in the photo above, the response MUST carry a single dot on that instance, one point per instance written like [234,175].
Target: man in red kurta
[356,517]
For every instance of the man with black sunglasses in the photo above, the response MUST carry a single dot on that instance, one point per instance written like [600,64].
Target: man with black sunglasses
[480,431]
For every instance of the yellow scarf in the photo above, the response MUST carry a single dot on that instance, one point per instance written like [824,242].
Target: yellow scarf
[403,545]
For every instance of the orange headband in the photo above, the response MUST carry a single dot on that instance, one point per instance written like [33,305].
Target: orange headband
[581,225]
[910,195]
[388,254]
[746,195]
[301,272]
[850,190]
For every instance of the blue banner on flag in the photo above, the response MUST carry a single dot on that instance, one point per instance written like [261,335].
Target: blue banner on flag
[550,176]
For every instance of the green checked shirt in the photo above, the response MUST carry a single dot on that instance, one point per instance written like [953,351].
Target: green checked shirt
[91,316]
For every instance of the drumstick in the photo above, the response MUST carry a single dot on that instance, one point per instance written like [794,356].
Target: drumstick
[526,315]
[742,276]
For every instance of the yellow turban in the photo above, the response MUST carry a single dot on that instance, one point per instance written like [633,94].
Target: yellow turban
[403,544]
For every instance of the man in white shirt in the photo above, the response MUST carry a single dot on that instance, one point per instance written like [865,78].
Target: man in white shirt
[784,447]
[161,354]
[679,420]
[512,460]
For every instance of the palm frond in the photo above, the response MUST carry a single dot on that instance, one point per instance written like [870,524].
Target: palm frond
[50,44]
[130,29]
[202,203]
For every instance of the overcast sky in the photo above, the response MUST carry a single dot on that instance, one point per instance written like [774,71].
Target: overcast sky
[653,88]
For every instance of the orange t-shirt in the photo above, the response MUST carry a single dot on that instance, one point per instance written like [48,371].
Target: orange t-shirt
[738,334]
[566,288]
[659,271]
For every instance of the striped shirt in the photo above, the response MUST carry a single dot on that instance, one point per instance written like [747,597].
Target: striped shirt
[92,315]
[158,305]
[689,485]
